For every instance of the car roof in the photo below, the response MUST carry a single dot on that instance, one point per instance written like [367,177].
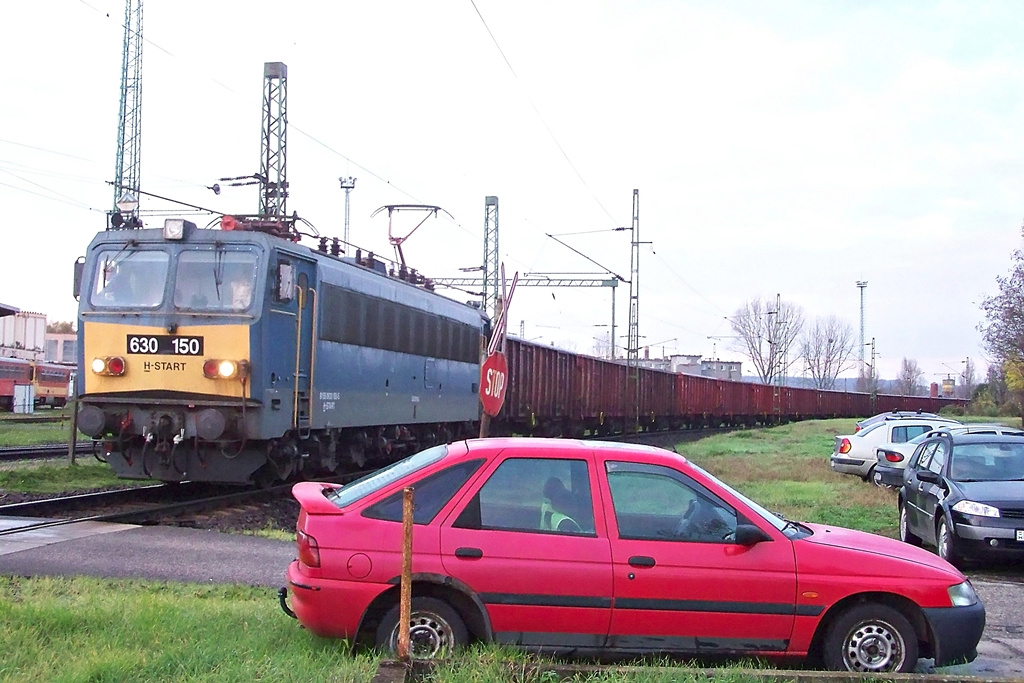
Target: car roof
[987,438]
[526,445]
[896,415]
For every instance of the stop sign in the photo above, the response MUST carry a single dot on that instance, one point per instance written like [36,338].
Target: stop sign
[493,380]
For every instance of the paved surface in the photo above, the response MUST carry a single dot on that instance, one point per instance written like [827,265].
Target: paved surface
[175,554]
[147,552]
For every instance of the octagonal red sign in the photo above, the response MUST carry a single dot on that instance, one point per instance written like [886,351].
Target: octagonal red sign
[493,380]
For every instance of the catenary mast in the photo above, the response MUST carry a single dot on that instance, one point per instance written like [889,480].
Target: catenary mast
[129,124]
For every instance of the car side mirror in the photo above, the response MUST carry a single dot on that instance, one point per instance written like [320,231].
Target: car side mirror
[748,535]
[928,476]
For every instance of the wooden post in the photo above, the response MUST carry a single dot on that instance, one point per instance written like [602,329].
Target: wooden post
[405,603]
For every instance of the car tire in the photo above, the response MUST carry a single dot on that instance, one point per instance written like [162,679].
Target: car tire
[870,638]
[906,535]
[945,543]
[870,474]
[435,629]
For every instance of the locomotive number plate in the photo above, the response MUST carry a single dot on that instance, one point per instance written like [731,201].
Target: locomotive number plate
[165,345]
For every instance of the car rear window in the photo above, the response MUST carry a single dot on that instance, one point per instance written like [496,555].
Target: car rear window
[375,481]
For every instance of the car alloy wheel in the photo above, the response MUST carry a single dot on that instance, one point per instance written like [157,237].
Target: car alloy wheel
[946,543]
[871,638]
[435,629]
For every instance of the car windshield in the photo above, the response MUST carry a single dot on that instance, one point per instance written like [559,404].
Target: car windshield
[129,278]
[375,481]
[867,430]
[991,461]
[783,525]
[215,279]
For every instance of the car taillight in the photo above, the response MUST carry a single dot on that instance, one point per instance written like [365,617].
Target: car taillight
[845,446]
[309,551]
[111,365]
[893,457]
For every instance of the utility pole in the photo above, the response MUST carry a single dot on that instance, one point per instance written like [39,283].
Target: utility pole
[490,271]
[273,157]
[348,184]
[129,124]
[633,340]
[862,285]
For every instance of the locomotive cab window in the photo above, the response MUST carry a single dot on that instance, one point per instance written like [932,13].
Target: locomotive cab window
[215,280]
[129,278]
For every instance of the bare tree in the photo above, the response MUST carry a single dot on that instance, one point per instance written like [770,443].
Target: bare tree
[766,334]
[61,327]
[827,347]
[1003,331]
[909,381]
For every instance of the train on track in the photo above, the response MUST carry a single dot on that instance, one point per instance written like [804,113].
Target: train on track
[44,384]
[239,355]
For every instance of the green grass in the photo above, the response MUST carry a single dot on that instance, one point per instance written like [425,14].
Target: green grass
[59,476]
[16,430]
[86,629]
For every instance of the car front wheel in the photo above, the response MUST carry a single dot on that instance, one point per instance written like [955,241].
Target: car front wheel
[435,629]
[870,638]
[906,535]
[945,543]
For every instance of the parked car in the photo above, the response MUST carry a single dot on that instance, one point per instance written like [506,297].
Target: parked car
[857,453]
[964,494]
[608,548]
[893,458]
[891,415]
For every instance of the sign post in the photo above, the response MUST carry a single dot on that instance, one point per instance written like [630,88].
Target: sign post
[494,369]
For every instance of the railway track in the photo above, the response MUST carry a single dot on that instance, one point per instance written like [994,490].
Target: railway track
[147,504]
[13,453]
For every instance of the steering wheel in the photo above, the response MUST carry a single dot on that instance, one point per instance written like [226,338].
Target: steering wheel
[684,528]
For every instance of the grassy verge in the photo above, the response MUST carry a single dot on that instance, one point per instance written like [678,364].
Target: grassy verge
[98,630]
[59,476]
[18,430]
[85,629]
[786,468]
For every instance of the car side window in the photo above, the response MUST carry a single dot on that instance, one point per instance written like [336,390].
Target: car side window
[925,455]
[938,458]
[905,433]
[538,495]
[429,495]
[652,502]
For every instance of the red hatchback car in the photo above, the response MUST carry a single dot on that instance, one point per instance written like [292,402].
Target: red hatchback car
[592,547]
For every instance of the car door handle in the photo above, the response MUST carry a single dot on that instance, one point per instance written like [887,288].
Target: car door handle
[641,561]
[471,553]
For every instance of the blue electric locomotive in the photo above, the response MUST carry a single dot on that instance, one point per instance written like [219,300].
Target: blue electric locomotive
[236,355]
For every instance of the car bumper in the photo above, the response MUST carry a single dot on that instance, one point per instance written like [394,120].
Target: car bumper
[884,475]
[851,465]
[977,540]
[327,607]
[956,632]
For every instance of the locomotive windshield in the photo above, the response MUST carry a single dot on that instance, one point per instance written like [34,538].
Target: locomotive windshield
[215,280]
[129,279]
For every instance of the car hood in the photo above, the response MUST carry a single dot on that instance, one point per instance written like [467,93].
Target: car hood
[852,543]
[1005,492]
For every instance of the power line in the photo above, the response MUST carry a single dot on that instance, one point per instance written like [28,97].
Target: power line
[541,116]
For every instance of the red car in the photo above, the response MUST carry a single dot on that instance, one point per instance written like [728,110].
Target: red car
[592,547]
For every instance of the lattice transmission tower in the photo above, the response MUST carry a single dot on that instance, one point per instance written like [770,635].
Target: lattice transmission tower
[490,273]
[129,124]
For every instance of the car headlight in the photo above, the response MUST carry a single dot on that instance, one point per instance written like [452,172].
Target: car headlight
[969,507]
[962,594]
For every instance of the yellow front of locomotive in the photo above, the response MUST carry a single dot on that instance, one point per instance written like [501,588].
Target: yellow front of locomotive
[165,340]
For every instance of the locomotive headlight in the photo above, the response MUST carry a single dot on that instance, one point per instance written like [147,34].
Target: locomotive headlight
[225,369]
[176,228]
[111,365]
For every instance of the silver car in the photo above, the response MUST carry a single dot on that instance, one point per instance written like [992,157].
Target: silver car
[857,453]
[892,458]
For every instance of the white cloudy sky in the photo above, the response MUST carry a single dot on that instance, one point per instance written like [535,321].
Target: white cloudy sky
[779,147]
